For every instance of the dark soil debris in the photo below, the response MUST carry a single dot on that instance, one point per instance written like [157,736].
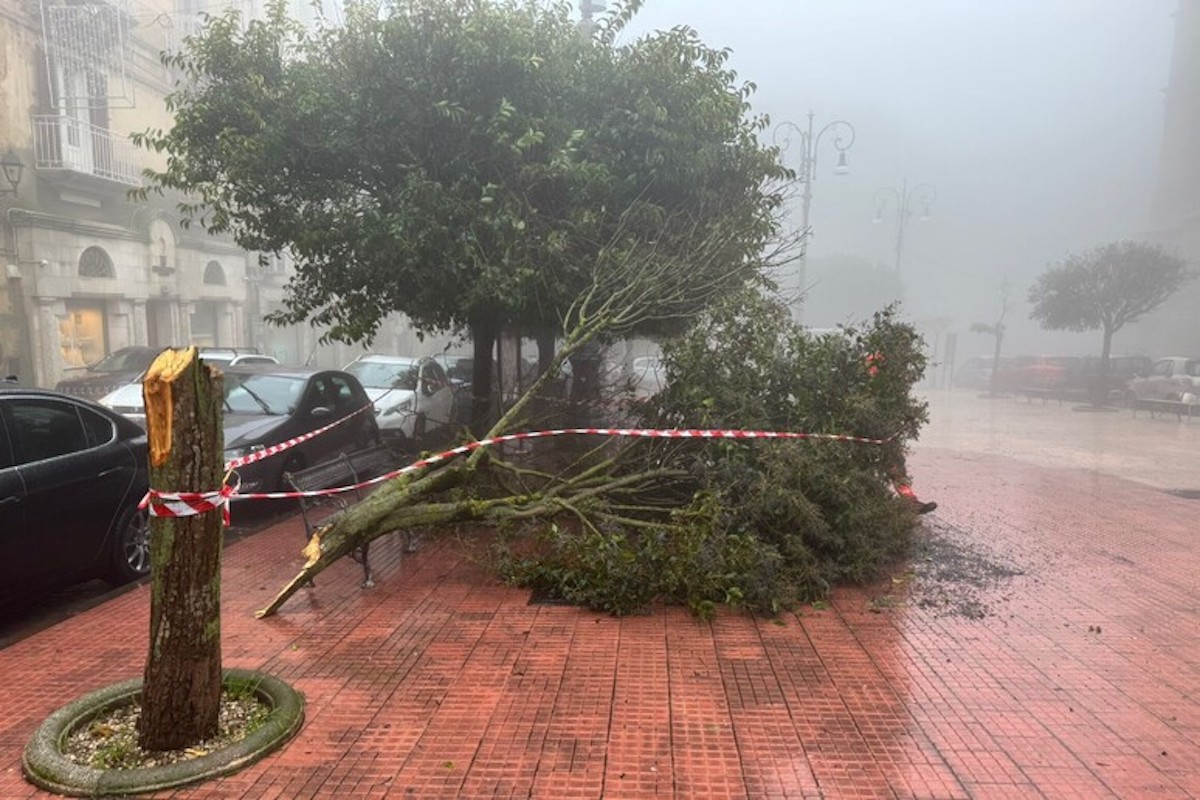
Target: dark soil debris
[954,576]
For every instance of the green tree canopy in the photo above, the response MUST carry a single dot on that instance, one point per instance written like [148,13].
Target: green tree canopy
[1106,288]
[465,163]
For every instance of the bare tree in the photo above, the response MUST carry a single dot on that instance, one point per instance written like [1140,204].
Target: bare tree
[996,330]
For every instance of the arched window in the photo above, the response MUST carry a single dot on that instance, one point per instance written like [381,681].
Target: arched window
[95,263]
[214,274]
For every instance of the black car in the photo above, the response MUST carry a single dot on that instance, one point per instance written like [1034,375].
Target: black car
[71,476]
[114,370]
[267,404]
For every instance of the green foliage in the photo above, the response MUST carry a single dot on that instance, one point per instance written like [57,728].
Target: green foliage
[467,163]
[760,524]
[1106,287]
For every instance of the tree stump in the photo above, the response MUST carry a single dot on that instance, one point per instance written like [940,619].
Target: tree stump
[181,694]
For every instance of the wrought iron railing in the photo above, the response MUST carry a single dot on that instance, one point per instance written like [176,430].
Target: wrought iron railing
[62,142]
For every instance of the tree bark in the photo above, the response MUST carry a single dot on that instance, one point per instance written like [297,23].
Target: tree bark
[181,693]
[483,338]
[1100,383]
[995,376]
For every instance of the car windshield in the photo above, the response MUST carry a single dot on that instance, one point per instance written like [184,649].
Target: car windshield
[124,361]
[1192,368]
[378,375]
[262,394]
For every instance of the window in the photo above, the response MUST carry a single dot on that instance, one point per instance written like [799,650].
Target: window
[214,274]
[99,428]
[45,429]
[432,378]
[343,394]
[95,263]
[262,394]
[1162,368]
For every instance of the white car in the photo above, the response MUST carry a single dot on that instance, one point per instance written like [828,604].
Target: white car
[127,400]
[1173,379]
[413,397]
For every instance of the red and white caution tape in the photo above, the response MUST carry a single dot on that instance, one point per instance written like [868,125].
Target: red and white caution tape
[188,504]
[181,501]
[267,452]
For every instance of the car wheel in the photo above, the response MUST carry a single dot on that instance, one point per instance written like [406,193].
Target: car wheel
[419,429]
[130,557]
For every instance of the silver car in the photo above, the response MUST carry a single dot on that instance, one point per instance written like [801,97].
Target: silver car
[413,397]
[1174,379]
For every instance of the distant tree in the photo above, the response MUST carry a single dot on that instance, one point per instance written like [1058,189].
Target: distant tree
[845,288]
[996,330]
[1104,289]
[462,162]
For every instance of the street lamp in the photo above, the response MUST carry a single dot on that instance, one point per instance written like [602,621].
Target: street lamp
[843,138]
[11,167]
[904,199]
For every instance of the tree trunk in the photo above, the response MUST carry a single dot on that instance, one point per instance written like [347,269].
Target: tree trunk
[181,693]
[483,338]
[995,376]
[1100,383]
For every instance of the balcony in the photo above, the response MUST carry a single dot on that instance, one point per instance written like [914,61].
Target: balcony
[69,145]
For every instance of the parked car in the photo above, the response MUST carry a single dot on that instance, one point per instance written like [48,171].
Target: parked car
[1176,378]
[266,405]
[223,357]
[109,373]
[127,400]
[1082,377]
[71,476]
[413,397]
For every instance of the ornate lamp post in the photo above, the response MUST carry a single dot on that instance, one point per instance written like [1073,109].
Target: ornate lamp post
[903,200]
[809,141]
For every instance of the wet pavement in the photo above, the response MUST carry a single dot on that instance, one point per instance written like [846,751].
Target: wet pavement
[1044,641]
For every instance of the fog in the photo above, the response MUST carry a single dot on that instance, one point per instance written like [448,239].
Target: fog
[1038,122]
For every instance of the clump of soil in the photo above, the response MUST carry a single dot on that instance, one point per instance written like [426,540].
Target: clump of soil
[952,575]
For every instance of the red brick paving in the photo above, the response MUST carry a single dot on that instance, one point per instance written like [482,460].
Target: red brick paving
[442,683]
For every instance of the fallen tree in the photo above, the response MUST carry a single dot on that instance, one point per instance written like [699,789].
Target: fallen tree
[778,521]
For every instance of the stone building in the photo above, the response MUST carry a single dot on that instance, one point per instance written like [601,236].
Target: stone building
[86,269]
[1175,214]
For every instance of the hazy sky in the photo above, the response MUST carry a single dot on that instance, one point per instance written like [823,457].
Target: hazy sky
[1038,121]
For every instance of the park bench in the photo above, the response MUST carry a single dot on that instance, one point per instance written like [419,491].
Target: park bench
[347,469]
[1176,407]
[1031,393]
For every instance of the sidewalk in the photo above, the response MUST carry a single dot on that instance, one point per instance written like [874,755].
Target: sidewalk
[1046,644]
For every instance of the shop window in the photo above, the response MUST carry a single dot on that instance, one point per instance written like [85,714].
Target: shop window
[95,263]
[82,335]
[214,274]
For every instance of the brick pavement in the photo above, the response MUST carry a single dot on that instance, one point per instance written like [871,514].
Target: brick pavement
[442,683]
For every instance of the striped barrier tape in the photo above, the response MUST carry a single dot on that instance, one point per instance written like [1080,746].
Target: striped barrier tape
[189,504]
[185,498]
[275,449]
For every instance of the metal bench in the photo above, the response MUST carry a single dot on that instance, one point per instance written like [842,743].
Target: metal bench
[1176,407]
[1031,393]
[345,470]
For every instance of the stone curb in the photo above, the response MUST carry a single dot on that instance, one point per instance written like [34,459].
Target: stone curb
[44,764]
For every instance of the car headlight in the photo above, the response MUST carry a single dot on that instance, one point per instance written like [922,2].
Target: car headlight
[238,452]
[404,406]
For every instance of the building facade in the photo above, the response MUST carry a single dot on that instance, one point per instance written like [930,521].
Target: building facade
[1175,330]
[87,270]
